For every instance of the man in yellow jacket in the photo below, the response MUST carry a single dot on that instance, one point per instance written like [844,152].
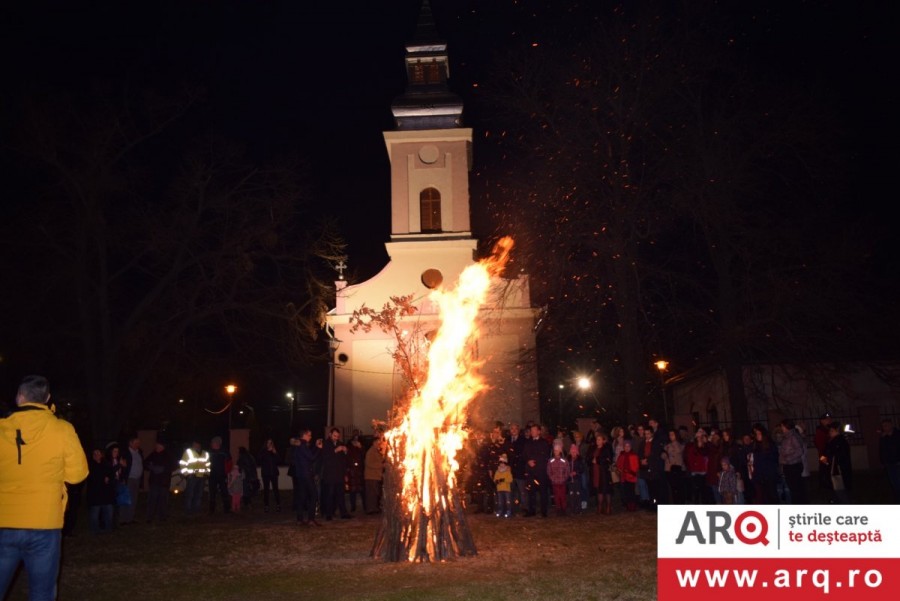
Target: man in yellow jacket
[39,453]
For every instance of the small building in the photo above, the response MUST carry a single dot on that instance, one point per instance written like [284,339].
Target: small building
[857,394]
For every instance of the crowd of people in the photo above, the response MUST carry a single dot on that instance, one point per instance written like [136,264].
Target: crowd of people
[506,471]
[647,464]
[329,479]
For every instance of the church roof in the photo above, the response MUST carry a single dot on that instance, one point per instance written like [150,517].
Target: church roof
[426,35]
[427,102]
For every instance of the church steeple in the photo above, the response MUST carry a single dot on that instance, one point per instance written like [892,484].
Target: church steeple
[426,30]
[430,151]
[427,102]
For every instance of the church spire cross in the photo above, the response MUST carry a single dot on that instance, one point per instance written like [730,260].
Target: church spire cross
[339,267]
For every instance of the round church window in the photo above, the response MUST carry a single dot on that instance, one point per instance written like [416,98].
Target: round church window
[429,154]
[432,278]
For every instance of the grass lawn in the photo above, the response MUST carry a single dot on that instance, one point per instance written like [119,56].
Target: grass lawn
[258,556]
[261,556]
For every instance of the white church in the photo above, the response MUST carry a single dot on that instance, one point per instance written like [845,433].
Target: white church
[430,244]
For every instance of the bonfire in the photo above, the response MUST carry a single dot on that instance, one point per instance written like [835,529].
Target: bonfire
[424,512]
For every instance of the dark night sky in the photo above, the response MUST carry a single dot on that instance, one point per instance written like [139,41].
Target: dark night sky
[279,76]
[283,75]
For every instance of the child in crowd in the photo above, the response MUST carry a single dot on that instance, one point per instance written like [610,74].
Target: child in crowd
[503,480]
[576,502]
[558,471]
[235,487]
[728,480]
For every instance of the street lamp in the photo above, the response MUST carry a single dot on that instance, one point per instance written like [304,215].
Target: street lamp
[662,365]
[230,389]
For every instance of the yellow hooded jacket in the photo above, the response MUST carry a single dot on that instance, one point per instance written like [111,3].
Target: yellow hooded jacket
[39,453]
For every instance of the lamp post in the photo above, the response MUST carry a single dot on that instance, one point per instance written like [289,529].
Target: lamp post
[290,397]
[559,405]
[333,344]
[230,389]
[585,385]
[662,365]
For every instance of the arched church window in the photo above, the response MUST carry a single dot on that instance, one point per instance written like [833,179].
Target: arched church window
[430,209]
[433,72]
[417,72]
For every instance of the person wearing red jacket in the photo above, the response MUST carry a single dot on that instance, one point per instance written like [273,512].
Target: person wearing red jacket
[696,460]
[628,465]
[713,466]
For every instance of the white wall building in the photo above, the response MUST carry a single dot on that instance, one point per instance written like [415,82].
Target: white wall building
[431,242]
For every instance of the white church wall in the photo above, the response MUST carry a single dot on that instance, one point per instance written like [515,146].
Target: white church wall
[367,378]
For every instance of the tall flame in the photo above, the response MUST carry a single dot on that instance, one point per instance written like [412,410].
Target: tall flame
[425,444]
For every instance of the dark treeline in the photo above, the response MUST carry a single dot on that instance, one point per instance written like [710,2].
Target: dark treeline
[694,181]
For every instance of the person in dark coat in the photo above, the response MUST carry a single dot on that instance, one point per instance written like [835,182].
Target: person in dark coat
[356,458]
[516,443]
[218,475]
[601,460]
[101,492]
[660,440]
[764,467]
[268,469]
[247,465]
[535,454]
[334,470]
[303,458]
[159,466]
[652,466]
[821,438]
[837,460]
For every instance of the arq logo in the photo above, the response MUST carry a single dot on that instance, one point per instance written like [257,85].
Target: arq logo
[750,528]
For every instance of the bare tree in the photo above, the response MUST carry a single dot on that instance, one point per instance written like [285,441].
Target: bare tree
[668,202]
[583,122]
[158,254]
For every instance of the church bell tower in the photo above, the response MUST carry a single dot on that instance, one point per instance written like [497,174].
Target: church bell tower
[430,245]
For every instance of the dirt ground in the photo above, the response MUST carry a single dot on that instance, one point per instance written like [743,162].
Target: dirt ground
[263,556]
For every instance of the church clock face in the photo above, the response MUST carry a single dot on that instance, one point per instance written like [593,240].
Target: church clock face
[428,154]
